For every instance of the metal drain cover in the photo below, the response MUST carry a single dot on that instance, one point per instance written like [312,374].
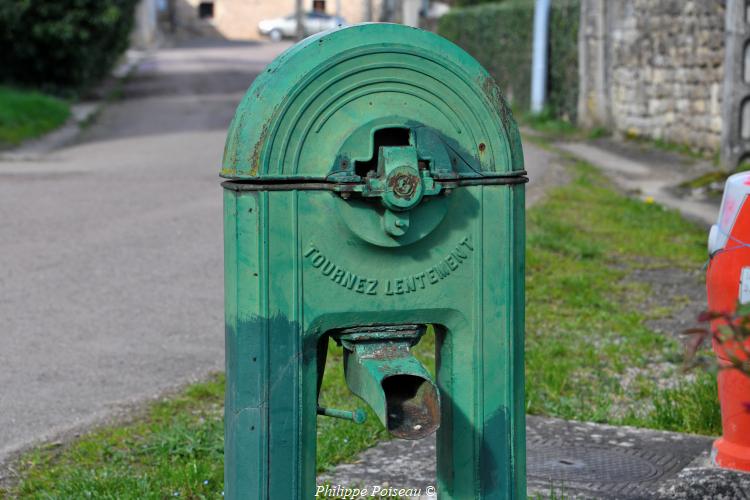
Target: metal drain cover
[588,464]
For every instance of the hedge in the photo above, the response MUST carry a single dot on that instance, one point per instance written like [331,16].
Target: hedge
[500,36]
[62,45]
[562,87]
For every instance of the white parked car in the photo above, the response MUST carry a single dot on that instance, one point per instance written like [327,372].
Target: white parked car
[286,27]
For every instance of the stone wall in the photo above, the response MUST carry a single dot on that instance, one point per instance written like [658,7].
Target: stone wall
[654,68]
[735,149]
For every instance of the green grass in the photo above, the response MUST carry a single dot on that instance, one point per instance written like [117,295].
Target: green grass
[706,179]
[674,147]
[585,322]
[27,114]
[585,336]
[547,124]
[690,407]
[550,128]
[555,492]
[176,447]
[598,133]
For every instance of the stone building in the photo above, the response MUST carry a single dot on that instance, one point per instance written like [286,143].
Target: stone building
[670,70]
[238,19]
[654,69]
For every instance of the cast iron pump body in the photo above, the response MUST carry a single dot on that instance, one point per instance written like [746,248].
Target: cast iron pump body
[375,192]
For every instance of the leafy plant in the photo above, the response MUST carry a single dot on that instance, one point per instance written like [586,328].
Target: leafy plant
[730,331]
[62,45]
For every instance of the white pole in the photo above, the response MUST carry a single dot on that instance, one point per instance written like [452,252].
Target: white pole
[539,60]
[298,15]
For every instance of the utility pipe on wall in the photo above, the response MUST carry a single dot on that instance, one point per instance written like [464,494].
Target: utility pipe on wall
[299,19]
[539,59]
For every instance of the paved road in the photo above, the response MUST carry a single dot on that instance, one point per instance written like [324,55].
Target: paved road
[111,261]
[111,254]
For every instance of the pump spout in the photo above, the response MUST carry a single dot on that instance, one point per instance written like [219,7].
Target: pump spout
[380,369]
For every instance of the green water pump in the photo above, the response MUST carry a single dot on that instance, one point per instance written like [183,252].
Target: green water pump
[374,194]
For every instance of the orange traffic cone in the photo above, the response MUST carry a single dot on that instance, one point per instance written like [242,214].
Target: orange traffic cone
[727,283]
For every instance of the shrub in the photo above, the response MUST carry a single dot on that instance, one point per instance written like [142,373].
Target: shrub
[562,82]
[62,45]
[731,331]
[500,36]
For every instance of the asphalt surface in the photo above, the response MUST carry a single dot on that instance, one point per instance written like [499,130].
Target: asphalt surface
[111,264]
[111,249]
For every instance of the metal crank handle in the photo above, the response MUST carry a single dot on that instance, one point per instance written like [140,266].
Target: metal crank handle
[357,416]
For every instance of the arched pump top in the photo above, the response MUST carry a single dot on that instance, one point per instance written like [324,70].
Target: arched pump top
[322,110]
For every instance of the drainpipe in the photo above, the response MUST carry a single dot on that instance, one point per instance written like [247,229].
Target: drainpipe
[539,60]
[299,17]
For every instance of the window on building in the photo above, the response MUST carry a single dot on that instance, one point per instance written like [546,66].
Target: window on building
[319,5]
[206,10]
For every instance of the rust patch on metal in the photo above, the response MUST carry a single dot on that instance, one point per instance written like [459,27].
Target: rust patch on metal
[257,149]
[412,415]
[229,159]
[495,95]
[403,185]
[388,351]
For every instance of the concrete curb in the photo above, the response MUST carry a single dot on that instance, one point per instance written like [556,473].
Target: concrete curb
[648,174]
